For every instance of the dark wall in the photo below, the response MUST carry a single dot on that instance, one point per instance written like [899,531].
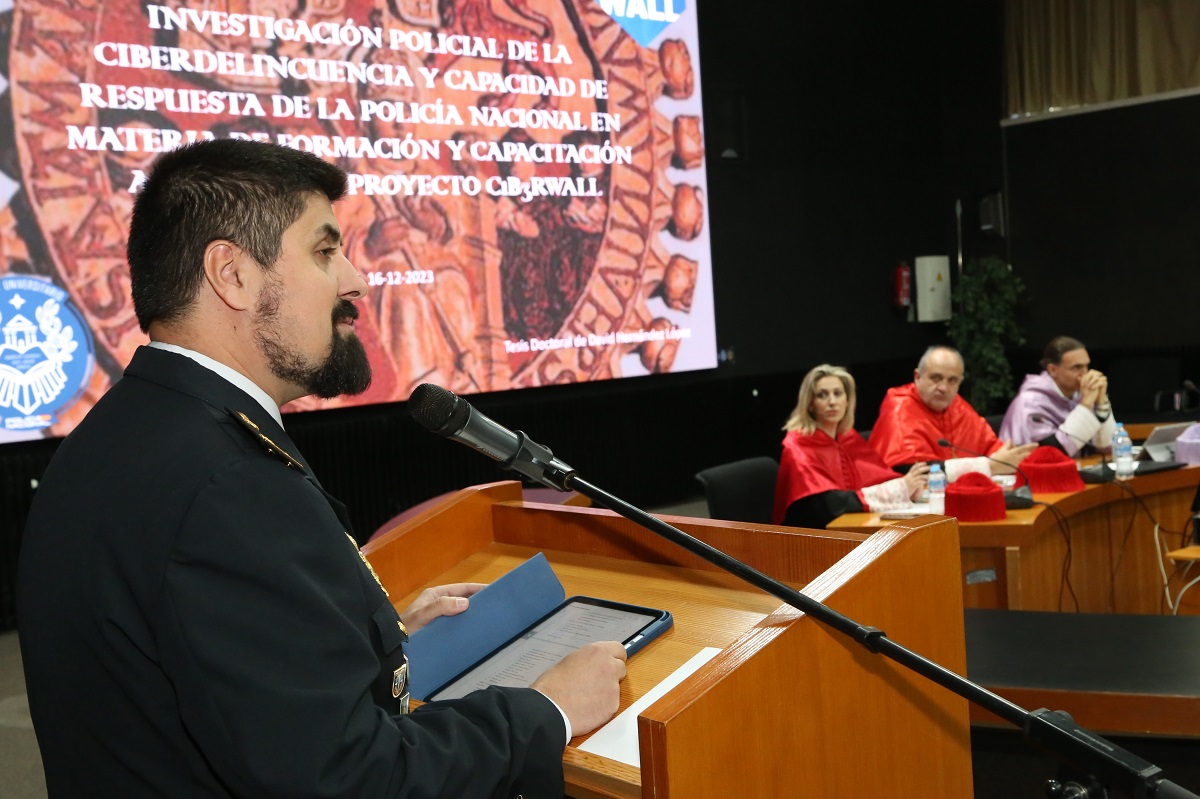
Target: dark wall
[1103,229]
[843,175]
[1104,222]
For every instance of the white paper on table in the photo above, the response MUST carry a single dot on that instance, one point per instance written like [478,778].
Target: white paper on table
[618,740]
[911,512]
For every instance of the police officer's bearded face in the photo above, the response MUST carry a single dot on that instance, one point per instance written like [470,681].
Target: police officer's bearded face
[304,319]
[346,370]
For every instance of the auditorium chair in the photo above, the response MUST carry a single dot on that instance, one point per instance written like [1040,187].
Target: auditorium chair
[741,491]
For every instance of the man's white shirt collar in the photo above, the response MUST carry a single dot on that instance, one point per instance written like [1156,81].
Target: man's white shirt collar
[232,375]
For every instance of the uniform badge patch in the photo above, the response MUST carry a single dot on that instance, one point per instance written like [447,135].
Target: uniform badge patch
[400,679]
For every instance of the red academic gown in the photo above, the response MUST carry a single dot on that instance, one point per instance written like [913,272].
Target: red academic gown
[815,462]
[907,431]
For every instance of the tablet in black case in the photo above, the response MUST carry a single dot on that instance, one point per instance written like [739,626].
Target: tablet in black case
[577,621]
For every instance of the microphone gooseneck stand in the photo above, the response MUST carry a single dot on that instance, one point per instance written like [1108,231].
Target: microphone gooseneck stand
[1017,499]
[1053,731]
[1090,474]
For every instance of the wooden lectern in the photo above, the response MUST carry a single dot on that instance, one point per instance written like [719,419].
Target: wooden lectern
[789,707]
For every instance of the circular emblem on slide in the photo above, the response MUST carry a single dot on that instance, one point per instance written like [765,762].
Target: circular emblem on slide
[45,353]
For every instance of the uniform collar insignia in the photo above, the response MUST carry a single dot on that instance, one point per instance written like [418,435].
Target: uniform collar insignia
[267,443]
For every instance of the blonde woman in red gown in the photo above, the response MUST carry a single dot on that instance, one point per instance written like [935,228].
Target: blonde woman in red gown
[827,468]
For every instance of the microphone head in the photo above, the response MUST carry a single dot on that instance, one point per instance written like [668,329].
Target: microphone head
[943,442]
[438,410]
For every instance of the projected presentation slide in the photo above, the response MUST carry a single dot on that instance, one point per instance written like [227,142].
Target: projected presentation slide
[527,180]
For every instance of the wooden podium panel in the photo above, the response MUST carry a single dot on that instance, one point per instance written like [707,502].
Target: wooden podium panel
[1104,543]
[788,706]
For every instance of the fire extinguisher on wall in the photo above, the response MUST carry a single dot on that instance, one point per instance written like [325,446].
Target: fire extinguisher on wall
[902,285]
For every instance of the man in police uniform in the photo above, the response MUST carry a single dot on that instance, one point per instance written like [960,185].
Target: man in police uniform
[195,618]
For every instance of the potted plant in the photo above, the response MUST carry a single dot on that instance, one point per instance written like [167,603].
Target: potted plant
[983,325]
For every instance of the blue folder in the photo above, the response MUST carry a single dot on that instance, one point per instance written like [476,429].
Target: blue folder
[449,645]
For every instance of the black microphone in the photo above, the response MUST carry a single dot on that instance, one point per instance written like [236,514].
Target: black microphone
[1016,499]
[445,413]
[1089,474]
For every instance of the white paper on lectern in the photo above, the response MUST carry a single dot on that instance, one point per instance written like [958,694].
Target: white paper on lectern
[618,740]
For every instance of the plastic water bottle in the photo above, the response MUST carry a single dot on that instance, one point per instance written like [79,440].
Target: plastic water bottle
[1122,452]
[937,489]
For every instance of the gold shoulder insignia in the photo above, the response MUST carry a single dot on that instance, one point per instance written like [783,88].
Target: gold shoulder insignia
[267,443]
[371,569]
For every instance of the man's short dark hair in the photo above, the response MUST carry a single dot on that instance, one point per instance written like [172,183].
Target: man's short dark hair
[1058,347]
[247,192]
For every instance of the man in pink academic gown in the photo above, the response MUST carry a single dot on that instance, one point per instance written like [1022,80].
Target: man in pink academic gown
[913,417]
[1066,406]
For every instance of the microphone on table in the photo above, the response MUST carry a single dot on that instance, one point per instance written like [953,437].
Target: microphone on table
[1016,499]
[1089,474]
[446,414]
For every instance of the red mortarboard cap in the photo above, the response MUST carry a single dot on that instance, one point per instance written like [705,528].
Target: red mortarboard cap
[975,498]
[1051,471]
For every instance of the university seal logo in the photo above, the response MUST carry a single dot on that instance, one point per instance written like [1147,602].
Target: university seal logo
[45,353]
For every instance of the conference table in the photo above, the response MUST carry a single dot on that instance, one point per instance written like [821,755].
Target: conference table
[1094,551]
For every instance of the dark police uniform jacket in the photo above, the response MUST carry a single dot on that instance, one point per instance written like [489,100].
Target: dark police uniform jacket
[196,622]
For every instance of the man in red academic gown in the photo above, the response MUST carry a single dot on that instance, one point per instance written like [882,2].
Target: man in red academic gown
[914,416]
